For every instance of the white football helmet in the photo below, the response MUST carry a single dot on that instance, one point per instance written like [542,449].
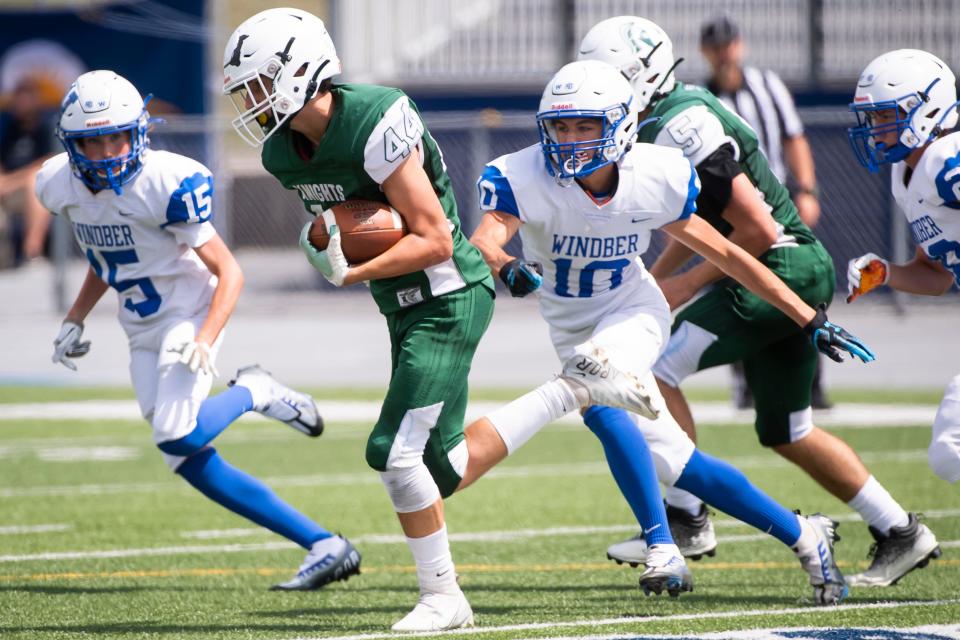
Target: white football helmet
[273,65]
[100,103]
[639,49]
[586,89]
[919,88]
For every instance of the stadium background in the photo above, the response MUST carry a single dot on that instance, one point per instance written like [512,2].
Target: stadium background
[476,69]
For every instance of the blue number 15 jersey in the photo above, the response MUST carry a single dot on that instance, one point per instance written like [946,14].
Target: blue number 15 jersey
[141,241]
[590,252]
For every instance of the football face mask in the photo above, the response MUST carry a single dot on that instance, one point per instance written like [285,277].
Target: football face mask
[578,159]
[255,102]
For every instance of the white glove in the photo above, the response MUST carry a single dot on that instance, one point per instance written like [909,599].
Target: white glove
[331,262]
[67,345]
[865,274]
[196,355]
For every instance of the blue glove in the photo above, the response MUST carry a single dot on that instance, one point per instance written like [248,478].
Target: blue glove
[521,277]
[831,339]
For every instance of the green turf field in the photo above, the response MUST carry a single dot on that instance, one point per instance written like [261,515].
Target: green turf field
[98,539]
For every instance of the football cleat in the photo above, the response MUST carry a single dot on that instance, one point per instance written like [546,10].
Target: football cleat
[820,564]
[898,553]
[607,385]
[274,400]
[694,536]
[665,571]
[437,612]
[328,560]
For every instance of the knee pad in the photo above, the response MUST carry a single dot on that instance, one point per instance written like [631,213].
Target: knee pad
[410,488]
[944,458]
[944,452]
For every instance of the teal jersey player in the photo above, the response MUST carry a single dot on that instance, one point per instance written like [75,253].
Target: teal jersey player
[741,197]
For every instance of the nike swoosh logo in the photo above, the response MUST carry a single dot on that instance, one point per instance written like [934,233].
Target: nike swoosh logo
[444,573]
[124,214]
[635,220]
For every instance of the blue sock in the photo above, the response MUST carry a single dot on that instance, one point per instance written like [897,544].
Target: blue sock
[243,494]
[632,467]
[723,486]
[215,414]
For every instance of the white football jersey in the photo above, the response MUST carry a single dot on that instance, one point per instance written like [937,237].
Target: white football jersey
[590,251]
[931,200]
[141,242]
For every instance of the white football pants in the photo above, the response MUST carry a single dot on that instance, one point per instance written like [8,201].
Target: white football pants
[633,338]
[168,394]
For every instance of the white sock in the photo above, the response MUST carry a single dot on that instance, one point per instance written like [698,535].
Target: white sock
[519,420]
[806,544]
[435,570]
[681,499]
[878,508]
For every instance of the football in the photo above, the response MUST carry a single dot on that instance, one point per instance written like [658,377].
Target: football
[367,228]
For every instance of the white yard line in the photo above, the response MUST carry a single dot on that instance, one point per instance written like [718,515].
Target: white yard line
[376,538]
[844,415]
[478,536]
[575,469]
[34,528]
[715,615]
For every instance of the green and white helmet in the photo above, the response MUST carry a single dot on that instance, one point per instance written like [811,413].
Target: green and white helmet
[639,49]
[273,65]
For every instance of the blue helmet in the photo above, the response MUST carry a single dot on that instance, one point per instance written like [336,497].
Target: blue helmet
[100,103]
[586,89]
[918,89]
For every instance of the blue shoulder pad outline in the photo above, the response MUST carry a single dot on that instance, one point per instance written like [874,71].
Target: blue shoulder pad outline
[192,202]
[495,192]
[948,182]
[693,190]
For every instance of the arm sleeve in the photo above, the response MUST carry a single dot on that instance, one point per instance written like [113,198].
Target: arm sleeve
[787,115]
[696,132]
[495,192]
[716,173]
[399,130]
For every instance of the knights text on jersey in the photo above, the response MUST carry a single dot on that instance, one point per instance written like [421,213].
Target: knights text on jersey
[372,131]
[141,242]
[931,201]
[588,251]
[694,120]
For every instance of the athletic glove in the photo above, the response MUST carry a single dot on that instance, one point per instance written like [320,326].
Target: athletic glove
[521,277]
[197,357]
[67,345]
[831,339]
[330,262]
[865,274]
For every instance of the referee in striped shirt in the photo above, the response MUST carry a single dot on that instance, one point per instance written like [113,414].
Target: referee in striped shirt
[761,98]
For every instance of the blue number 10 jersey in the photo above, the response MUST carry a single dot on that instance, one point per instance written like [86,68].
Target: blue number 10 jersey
[590,252]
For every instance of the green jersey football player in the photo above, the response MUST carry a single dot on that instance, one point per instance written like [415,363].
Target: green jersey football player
[336,142]
[743,199]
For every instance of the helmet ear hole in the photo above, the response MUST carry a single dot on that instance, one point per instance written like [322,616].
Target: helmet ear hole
[301,71]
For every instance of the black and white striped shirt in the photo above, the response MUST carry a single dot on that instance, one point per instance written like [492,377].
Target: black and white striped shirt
[765,103]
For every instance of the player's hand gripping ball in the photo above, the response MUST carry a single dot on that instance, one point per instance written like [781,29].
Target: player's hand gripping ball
[367,229]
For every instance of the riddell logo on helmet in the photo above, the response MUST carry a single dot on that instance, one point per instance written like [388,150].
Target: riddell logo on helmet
[98,123]
[562,105]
